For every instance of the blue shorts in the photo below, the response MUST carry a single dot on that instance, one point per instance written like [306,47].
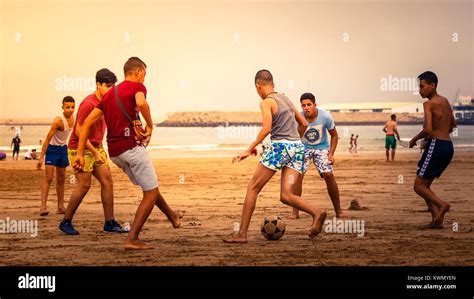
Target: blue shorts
[284,154]
[435,159]
[56,156]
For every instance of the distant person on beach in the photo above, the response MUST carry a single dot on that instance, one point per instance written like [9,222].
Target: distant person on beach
[120,107]
[16,146]
[55,151]
[286,125]
[439,123]
[318,149]
[391,130]
[31,155]
[351,143]
[355,143]
[95,159]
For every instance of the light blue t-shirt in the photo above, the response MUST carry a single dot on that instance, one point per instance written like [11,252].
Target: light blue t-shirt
[316,135]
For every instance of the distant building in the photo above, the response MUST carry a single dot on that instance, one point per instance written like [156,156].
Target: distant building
[463,109]
[387,107]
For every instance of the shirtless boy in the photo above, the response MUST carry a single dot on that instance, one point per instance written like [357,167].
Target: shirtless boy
[391,131]
[439,123]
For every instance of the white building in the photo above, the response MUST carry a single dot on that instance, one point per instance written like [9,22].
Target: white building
[388,107]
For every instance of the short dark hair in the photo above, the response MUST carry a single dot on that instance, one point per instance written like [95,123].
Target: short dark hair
[393,116]
[308,96]
[263,76]
[68,99]
[105,76]
[429,77]
[132,64]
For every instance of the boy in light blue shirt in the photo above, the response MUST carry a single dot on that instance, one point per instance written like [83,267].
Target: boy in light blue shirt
[318,149]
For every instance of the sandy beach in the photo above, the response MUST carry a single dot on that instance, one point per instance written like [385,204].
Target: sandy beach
[212,190]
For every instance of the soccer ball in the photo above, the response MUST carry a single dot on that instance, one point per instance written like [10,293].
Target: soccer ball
[273,228]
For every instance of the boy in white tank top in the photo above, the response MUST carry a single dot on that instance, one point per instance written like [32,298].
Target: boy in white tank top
[55,150]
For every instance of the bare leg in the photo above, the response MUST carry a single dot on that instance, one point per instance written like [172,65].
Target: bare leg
[260,178]
[141,215]
[333,192]
[387,154]
[83,185]
[60,179]
[288,178]
[173,217]
[298,190]
[432,208]
[393,154]
[437,206]
[102,174]
[48,178]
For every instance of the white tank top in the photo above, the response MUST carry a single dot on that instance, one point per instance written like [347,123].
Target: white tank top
[60,138]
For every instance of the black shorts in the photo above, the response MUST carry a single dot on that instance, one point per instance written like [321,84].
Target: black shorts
[436,157]
[16,150]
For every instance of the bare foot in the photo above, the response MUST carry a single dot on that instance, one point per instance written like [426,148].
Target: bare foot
[177,221]
[235,238]
[61,210]
[44,213]
[294,216]
[340,214]
[439,219]
[136,245]
[318,221]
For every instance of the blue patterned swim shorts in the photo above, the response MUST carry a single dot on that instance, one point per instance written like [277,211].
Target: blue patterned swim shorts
[283,153]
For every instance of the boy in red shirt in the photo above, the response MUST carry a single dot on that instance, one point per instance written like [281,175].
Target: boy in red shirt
[95,159]
[126,149]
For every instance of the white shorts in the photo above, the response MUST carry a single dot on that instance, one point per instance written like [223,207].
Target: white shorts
[320,158]
[138,166]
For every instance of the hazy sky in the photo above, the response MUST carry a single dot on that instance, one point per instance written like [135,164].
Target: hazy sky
[203,55]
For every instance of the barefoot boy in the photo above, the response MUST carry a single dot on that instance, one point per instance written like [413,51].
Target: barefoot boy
[439,123]
[391,131]
[55,150]
[286,153]
[318,149]
[95,159]
[125,148]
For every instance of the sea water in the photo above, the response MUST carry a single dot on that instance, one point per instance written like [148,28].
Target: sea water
[228,140]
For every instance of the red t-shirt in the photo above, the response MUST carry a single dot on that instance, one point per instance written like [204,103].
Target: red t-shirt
[98,129]
[120,133]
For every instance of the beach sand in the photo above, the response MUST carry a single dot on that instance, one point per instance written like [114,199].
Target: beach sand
[212,190]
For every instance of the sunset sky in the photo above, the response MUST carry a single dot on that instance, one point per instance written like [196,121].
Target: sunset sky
[203,55]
